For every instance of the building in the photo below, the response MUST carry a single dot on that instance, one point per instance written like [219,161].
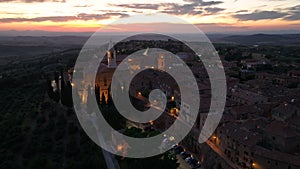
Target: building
[259,144]
[246,97]
[285,111]
[294,73]
[280,136]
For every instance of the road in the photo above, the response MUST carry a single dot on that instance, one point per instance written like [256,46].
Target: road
[183,164]
[110,159]
[221,154]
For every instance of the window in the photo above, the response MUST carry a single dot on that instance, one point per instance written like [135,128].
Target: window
[105,82]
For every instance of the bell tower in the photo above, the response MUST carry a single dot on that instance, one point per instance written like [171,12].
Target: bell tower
[111,56]
[161,62]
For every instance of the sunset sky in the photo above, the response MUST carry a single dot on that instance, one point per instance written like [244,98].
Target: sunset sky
[208,15]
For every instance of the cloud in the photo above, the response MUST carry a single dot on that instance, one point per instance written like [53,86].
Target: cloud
[177,9]
[32,1]
[81,16]
[82,6]
[294,13]
[192,7]
[260,15]
[213,10]
[137,6]
[39,19]
[240,11]
[204,3]
[84,16]
[294,8]
[293,16]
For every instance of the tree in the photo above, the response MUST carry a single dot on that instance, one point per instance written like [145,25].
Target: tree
[103,99]
[76,98]
[89,100]
[109,98]
[97,94]
[163,161]
[50,89]
[56,78]
[68,95]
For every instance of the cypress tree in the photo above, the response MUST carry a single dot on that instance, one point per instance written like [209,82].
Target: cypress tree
[103,99]
[50,89]
[68,95]
[97,94]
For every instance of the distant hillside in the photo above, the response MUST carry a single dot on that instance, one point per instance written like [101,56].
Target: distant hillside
[260,39]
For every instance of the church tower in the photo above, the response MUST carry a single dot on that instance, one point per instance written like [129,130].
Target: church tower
[161,62]
[111,56]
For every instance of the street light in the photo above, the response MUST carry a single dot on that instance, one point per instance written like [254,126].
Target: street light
[119,147]
[151,122]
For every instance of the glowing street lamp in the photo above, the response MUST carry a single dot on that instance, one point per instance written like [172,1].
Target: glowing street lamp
[119,147]
[151,122]
[172,138]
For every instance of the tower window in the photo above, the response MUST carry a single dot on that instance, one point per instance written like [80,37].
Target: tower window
[105,82]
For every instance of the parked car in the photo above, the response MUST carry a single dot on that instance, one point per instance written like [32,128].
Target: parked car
[194,163]
[195,166]
[178,149]
[185,155]
[174,146]
[188,159]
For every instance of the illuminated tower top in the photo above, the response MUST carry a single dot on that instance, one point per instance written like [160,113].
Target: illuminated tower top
[111,56]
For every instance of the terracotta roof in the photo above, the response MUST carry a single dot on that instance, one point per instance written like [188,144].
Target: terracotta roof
[241,135]
[297,72]
[285,110]
[295,121]
[276,155]
[245,109]
[282,129]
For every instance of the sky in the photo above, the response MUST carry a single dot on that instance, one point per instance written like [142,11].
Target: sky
[90,15]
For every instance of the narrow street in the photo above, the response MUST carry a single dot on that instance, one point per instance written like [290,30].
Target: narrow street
[221,154]
[111,161]
[183,164]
